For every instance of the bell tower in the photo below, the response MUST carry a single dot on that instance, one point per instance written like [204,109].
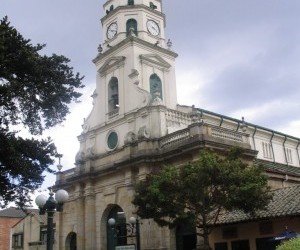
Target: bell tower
[135,71]
[144,18]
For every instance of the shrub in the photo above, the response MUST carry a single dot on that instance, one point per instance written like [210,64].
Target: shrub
[293,244]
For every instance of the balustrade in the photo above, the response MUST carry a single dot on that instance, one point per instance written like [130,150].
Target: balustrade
[227,135]
[175,138]
[177,119]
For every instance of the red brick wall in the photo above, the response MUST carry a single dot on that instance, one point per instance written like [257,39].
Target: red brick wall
[5,225]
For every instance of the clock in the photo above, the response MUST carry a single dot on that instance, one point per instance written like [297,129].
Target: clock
[153,27]
[112,30]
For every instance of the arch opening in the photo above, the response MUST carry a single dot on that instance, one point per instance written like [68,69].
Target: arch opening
[113,94]
[155,86]
[115,235]
[131,24]
[71,241]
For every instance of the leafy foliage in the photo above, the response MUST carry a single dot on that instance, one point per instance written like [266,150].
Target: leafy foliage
[35,91]
[292,244]
[198,192]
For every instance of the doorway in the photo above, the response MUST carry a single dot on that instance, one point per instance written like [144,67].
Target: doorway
[186,238]
[240,245]
[71,241]
[115,236]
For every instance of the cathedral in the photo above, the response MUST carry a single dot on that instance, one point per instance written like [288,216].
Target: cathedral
[136,125]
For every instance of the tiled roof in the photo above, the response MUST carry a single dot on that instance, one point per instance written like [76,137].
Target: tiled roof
[12,212]
[282,168]
[286,202]
[42,219]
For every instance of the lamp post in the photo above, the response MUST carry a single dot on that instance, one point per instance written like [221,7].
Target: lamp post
[51,205]
[132,228]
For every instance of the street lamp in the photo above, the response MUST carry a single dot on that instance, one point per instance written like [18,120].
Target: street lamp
[132,228]
[51,205]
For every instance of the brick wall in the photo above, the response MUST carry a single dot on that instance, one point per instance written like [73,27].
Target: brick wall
[5,225]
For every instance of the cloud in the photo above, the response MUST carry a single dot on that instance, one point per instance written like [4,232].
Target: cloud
[271,114]
[70,28]
[246,60]
[65,135]
[292,128]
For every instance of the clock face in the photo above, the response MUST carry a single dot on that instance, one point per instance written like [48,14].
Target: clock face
[112,30]
[153,27]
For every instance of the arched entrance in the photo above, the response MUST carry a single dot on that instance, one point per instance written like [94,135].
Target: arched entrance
[117,235]
[186,238]
[71,241]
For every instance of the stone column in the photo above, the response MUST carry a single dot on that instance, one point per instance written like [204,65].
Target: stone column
[80,230]
[90,217]
[59,231]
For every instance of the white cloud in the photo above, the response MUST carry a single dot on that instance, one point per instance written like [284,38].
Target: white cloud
[65,136]
[257,112]
[189,83]
[292,128]
[270,111]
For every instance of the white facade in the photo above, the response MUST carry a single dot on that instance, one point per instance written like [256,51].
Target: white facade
[129,60]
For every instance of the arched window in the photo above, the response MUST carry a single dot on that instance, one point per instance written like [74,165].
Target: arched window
[113,94]
[130,2]
[131,24]
[155,86]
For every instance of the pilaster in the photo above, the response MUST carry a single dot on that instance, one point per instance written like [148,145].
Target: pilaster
[80,230]
[90,217]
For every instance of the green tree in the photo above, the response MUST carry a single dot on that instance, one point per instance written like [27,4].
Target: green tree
[200,191]
[35,91]
[292,244]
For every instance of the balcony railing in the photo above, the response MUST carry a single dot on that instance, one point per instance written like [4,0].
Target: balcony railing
[207,131]
[175,138]
[114,113]
[177,119]
[226,135]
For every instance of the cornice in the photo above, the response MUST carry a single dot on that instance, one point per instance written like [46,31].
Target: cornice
[170,155]
[124,119]
[132,39]
[133,7]
[155,60]
[112,63]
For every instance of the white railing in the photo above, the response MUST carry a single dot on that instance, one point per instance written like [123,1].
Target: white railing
[227,135]
[177,119]
[113,113]
[175,138]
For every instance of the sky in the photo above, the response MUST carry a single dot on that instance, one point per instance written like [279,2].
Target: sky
[236,57]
